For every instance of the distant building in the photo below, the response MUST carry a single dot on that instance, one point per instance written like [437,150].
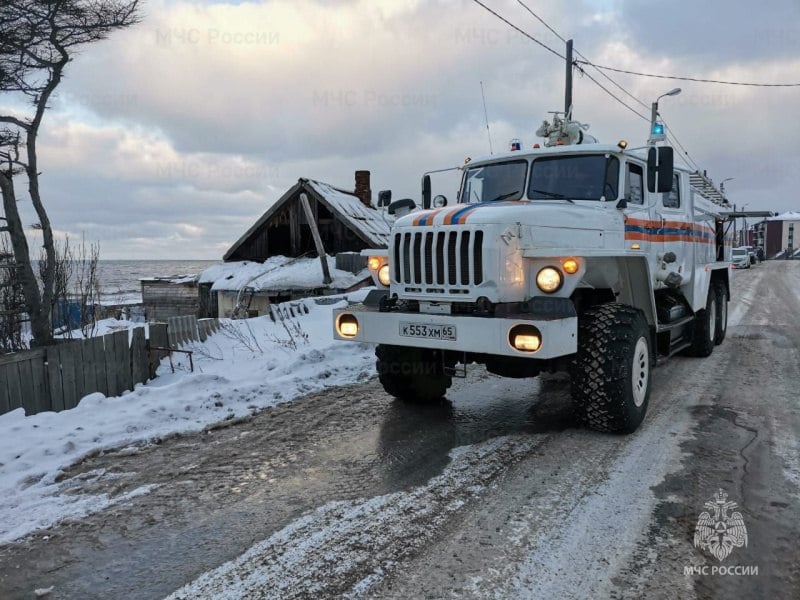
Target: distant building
[778,234]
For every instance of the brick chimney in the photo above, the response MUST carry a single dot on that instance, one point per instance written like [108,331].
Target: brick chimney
[362,189]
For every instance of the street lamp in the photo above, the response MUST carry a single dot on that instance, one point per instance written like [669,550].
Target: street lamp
[657,131]
[743,231]
[722,184]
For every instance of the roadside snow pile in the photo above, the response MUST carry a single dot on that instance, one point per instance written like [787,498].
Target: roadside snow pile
[247,366]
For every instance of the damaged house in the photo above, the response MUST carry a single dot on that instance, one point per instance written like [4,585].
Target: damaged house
[277,259]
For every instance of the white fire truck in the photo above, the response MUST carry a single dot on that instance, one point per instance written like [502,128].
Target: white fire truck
[576,256]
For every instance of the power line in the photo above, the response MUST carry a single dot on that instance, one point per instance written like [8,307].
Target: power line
[542,21]
[687,158]
[561,37]
[697,79]
[527,35]
[610,93]
[607,91]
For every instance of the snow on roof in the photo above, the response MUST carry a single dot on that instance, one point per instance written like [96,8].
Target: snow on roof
[278,273]
[791,215]
[368,221]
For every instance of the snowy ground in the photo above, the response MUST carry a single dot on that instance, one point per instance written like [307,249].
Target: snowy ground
[494,493]
[295,357]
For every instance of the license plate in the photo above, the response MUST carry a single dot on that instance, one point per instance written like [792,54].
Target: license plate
[428,331]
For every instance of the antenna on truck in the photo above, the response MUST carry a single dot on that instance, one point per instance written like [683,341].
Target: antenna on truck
[486,116]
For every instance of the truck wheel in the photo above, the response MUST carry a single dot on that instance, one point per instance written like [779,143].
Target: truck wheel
[705,327]
[411,374]
[610,374]
[722,312]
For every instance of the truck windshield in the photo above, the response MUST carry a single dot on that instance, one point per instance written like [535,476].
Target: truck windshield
[582,177]
[494,182]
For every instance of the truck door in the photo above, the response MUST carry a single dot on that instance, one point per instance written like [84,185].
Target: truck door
[677,231]
[638,222]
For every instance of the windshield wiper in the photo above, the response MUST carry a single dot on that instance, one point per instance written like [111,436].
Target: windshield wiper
[553,195]
[504,196]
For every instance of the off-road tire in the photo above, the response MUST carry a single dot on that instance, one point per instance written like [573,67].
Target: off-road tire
[412,374]
[611,372]
[722,312]
[705,327]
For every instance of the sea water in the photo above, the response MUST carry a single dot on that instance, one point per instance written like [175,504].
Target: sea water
[120,279]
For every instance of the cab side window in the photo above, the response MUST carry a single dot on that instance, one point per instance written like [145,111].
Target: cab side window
[672,199]
[634,184]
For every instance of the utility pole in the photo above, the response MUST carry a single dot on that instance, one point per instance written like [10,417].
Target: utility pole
[568,92]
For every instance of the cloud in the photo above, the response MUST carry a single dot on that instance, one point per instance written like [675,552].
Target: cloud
[183,129]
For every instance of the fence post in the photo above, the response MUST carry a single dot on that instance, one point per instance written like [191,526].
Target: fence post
[159,339]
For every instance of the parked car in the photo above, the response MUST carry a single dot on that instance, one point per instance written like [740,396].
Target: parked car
[751,252]
[740,258]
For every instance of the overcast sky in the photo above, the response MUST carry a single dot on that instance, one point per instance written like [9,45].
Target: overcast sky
[168,140]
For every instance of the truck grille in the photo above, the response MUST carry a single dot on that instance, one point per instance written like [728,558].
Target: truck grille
[438,258]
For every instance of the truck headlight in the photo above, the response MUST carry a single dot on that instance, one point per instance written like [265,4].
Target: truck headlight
[549,280]
[383,275]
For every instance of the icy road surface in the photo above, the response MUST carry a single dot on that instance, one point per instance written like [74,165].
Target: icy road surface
[494,494]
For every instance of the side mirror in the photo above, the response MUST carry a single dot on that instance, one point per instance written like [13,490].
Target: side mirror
[384,198]
[426,191]
[439,201]
[660,167]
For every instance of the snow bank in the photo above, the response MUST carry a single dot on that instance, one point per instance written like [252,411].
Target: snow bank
[246,367]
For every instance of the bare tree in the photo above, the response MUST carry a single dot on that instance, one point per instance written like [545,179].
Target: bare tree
[75,284]
[38,38]
[12,303]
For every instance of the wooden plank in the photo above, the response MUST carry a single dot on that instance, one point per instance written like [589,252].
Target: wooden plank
[112,385]
[87,368]
[41,393]
[139,367]
[14,387]
[66,355]
[98,353]
[5,404]
[54,380]
[26,386]
[7,359]
[122,361]
[312,223]
[77,365]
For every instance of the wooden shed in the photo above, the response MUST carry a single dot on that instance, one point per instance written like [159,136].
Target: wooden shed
[347,222]
[165,297]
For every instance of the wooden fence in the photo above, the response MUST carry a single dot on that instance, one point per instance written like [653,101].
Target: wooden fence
[57,377]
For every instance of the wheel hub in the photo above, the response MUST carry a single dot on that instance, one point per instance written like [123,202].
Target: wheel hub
[640,372]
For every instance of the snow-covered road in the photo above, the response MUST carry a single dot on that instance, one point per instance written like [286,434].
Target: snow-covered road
[494,494]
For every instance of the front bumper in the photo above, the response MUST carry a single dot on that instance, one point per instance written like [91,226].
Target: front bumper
[480,335]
